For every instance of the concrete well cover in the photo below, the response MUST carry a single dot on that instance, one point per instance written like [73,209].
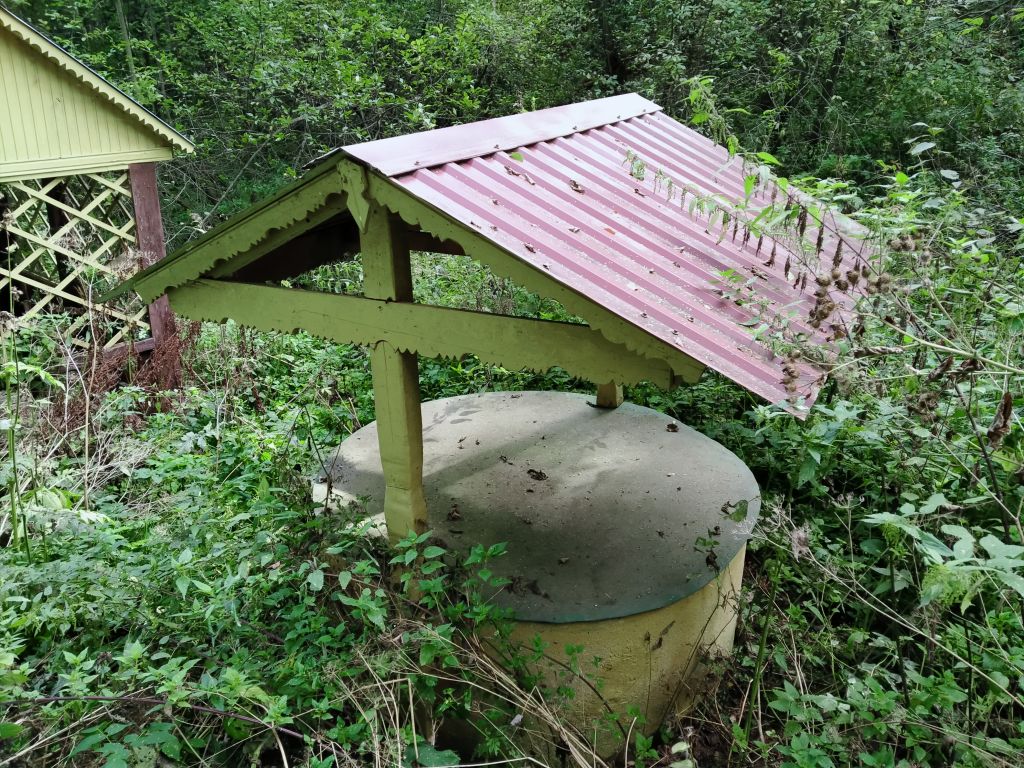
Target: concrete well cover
[607,513]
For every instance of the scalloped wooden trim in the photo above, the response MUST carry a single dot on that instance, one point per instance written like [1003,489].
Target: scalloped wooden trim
[511,342]
[251,234]
[39,42]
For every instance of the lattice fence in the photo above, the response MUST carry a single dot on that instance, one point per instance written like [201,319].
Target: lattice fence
[63,243]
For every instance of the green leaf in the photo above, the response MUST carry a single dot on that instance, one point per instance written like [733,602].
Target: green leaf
[117,755]
[901,178]
[963,549]
[185,556]
[947,173]
[768,157]
[344,579]
[739,513]
[934,502]
[517,156]
[161,735]
[427,655]
[182,583]
[426,756]
[90,741]
[431,552]
[808,470]
[933,548]
[923,146]
[315,580]
[10,730]
[996,548]
[749,182]
[1012,580]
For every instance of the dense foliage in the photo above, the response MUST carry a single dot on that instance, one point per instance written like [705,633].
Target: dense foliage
[169,593]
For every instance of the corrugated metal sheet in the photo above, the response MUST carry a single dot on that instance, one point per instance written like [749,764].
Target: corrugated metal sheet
[565,200]
[58,117]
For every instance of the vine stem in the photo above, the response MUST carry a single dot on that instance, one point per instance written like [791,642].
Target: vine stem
[762,651]
[157,701]
[958,352]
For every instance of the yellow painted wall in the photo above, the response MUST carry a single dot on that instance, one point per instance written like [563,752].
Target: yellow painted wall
[52,124]
[650,661]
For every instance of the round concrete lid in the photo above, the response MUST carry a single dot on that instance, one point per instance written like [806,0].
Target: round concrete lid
[607,513]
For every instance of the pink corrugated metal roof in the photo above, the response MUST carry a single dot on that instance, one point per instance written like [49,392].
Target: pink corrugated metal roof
[554,189]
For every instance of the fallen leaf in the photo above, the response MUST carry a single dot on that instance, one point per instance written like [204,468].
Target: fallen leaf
[1000,426]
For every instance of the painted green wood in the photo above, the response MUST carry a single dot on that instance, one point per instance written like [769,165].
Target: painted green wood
[333,205]
[289,207]
[387,276]
[396,402]
[609,395]
[58,117]
[511,342]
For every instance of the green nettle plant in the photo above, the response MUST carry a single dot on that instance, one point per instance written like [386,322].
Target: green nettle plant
[904,504]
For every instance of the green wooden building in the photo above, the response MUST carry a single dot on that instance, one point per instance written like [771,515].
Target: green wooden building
[78,201]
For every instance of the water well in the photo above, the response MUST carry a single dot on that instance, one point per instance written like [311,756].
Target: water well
[626,533]
[623,539]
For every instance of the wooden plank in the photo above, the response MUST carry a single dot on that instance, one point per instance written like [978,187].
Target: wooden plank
[336,240]
[387,276]
[609,395]
[149,232]
[512,342]
[239,236]
[333,209]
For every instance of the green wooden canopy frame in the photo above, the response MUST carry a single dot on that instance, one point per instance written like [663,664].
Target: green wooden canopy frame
[342,207]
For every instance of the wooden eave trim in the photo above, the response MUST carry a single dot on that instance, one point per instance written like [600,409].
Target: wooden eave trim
[35,39]
[76,166]
[512,342]
[272,218]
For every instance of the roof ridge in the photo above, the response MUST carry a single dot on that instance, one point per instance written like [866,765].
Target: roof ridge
[73,66]
[412,152]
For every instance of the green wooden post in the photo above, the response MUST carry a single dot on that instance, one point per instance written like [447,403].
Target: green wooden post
[609,395]
[387,275]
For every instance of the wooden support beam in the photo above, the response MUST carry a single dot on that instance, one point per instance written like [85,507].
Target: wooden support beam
[609,395]
[512,342]
[387,276]
[149,235]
